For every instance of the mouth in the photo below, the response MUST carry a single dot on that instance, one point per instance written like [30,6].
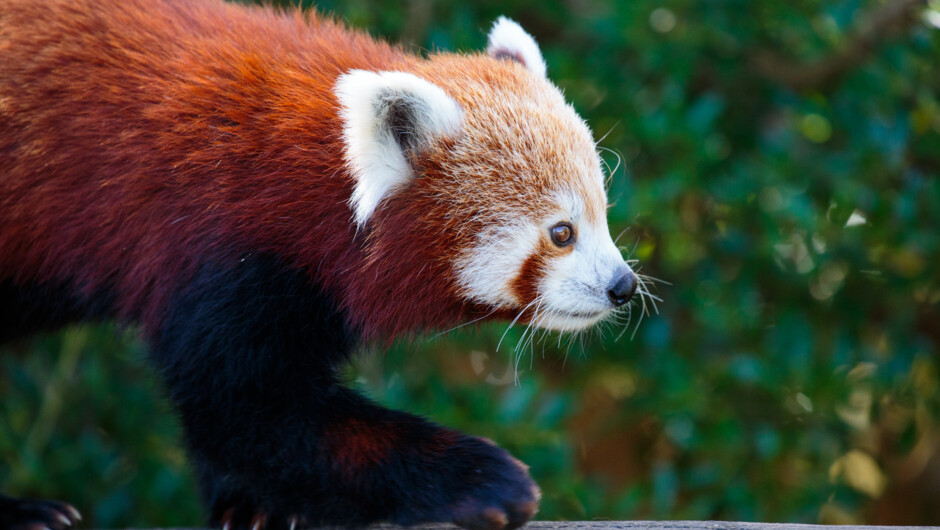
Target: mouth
[569,320]
[583,314]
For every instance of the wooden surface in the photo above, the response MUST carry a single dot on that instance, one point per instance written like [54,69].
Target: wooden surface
[661,525]
[693,525]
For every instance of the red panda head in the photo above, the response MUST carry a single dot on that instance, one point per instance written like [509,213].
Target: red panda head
[499,174]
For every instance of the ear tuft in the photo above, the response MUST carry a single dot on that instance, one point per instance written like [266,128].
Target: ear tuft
[508,40]
[387,118]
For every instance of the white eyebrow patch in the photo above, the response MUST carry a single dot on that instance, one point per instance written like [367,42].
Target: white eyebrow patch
[572,203]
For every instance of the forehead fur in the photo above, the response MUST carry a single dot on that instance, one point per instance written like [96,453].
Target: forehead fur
[521,142]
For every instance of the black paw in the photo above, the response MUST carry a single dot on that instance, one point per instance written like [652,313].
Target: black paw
[508,503]
[482,488]
[449,479]
[25,514]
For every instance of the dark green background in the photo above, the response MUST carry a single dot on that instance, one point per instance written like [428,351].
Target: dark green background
[792,371]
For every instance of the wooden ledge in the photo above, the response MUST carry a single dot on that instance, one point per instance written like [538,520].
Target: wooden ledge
[657,525]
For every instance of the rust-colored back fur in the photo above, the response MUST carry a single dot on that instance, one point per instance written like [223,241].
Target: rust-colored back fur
[138,138]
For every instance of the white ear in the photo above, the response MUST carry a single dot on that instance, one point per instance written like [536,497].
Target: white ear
[387,117]
[508,40]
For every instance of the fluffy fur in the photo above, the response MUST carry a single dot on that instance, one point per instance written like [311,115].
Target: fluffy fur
[262,191]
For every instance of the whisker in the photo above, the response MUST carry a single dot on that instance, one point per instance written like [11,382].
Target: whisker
[612,127]
[629,312]
[644,294]
[462,325]
[532,322]
[619,160]
[635,245]
[652,297]
[643,289]
[609,173]
[638,322]
[652,279]
[511,324]
[622,232]
[517,352]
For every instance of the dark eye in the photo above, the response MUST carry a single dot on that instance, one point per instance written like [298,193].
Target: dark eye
[562,234]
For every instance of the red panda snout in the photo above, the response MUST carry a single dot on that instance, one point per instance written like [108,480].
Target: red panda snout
[520,265]
[585,285]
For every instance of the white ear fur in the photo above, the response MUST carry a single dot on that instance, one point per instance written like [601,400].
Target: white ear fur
[375,107]
[508,40]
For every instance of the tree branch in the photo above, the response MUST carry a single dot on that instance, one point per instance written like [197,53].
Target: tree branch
[880,24]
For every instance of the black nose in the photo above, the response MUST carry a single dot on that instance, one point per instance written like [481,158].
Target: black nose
[623,288]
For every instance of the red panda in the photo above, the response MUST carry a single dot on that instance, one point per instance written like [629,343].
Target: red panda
[261,191]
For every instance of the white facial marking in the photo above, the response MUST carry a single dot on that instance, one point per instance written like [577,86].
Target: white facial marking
[373,153]
[485,272]
[509,39]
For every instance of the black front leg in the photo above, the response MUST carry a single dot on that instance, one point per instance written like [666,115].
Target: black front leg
[249,356]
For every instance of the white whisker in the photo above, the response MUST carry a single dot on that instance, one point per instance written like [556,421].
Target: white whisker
[462,325]
[511,324]
[622,232]
[612,127]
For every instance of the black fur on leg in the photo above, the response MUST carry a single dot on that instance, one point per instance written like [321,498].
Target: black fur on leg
[249,354]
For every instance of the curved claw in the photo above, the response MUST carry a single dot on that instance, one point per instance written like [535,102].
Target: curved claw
[258,521]
[227,520]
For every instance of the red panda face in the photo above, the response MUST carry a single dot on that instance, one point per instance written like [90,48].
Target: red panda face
[505,171]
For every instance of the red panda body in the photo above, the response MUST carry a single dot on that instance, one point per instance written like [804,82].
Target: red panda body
[261,191]
[165,121]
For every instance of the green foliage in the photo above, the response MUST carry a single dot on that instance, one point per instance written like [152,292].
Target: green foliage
[81,420]
[792,371]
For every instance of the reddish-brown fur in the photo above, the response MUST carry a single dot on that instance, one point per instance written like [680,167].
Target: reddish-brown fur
[137,138]
[355,444]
